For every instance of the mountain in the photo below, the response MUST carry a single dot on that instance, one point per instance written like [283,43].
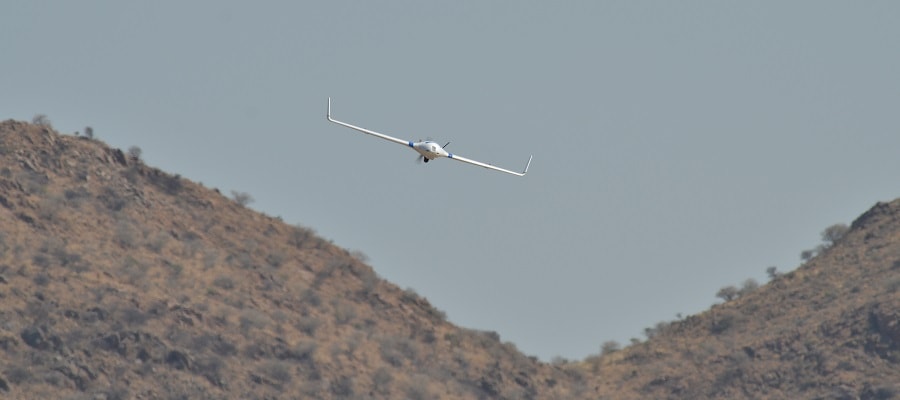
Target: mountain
[121,281]
[828,330]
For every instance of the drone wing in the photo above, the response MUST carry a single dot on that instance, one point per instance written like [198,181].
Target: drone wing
[411,144]
[489,166]
[363,130]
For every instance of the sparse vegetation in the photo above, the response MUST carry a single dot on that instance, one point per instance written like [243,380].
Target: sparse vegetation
[724,321]
[610,347]
[302,237]
[728,293]
[41,279]
[395,350]
[76,197]
[50,208]
[308,325]
[303,351]
[659,328]
[118,280]
[252,319]
[17,375]
[731,292]
[159,241]
[749,286]
[343,387]
[834,233]
[33,182]
[170,184]
[418,389]
[276,258]
[42,120]
[126,234]
[277,371]
[807,255]
[343,312]
[382,380]
[893,285]
[359,255]
[242,198]
[224,282]
[132,316]
[830,236]
[134,153]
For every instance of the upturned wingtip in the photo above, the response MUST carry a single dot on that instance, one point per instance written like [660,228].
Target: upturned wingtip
[328,113]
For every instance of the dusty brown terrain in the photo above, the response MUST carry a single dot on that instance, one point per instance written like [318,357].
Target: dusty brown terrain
[120,281]
[828,330]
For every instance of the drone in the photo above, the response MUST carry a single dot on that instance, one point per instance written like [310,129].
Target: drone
[428,150]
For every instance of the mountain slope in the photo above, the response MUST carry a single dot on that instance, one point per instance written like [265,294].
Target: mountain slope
[828,330]
[121,281]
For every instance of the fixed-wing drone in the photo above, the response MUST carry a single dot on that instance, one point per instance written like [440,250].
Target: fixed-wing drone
[427,149]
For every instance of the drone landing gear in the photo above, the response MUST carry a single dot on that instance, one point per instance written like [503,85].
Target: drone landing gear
[426,160]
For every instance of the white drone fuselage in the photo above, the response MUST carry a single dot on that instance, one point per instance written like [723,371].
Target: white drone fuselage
[430,150]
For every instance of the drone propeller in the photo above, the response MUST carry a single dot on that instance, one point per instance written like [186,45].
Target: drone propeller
[445,146]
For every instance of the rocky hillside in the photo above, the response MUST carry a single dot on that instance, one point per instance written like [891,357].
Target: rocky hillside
[828,330]
[120,281]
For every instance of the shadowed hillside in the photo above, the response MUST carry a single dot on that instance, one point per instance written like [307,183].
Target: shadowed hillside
[121,281]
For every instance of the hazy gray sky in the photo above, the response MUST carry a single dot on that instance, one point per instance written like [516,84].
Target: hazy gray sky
[679,147]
